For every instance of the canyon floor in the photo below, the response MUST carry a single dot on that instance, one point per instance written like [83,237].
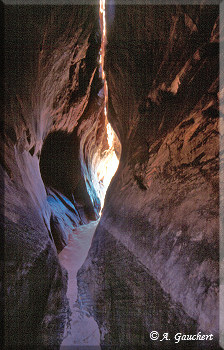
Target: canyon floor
[84,330]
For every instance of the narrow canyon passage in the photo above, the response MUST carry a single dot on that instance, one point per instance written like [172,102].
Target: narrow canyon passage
[84,330]
[111,175]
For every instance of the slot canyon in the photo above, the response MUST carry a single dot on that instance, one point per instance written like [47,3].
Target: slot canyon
[111,175]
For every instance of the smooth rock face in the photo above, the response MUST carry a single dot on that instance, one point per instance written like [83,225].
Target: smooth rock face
[161,213]
[50,65]
[125,300]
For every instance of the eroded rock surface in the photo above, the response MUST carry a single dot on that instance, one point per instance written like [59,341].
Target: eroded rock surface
[161,213]
[50,65]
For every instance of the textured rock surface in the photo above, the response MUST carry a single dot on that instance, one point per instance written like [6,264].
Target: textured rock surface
[50,65]
[161,213]
[64,217]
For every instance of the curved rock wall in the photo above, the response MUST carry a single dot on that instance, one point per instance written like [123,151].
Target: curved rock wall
[161,213]
[50,66]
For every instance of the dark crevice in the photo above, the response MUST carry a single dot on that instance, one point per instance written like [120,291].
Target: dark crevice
[32,150]
[187,123]
[61,169]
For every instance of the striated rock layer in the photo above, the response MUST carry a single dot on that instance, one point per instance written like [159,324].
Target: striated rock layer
[153,264]
[50,68]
